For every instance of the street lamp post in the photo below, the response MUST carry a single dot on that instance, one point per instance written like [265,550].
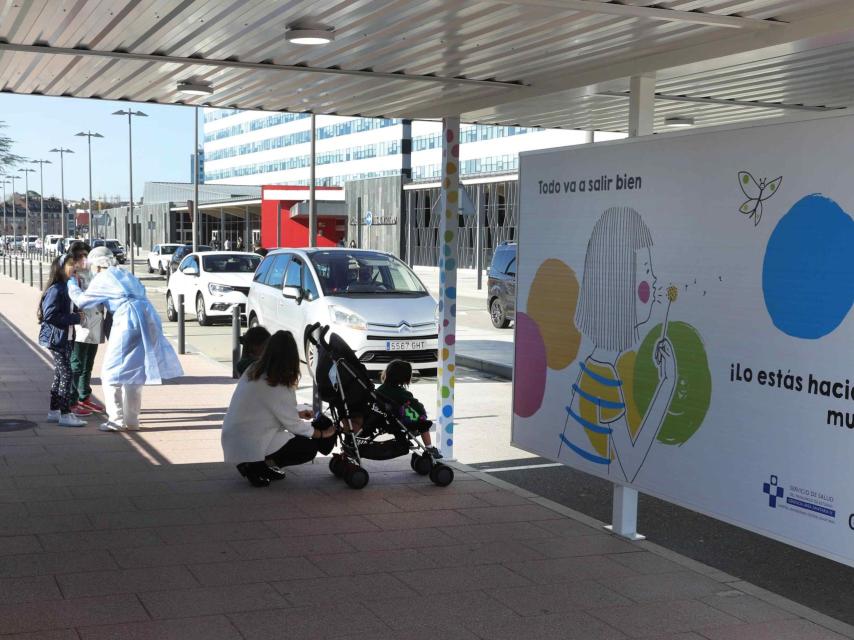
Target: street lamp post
[61,151]
[41,164]
[26,173]
[12,179]
[129,113]
[92,224]
[5,182]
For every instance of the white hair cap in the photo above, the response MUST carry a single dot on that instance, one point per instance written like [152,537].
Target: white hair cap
[101,257]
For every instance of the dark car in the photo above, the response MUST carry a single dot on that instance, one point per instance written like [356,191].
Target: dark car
[180,253]
[501,285]
[113,245]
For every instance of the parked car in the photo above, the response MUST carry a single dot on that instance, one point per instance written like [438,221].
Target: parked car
[50,242]
[371,299]
[501,286]
[180,253]
[212,282]
[113,245]
[159,257]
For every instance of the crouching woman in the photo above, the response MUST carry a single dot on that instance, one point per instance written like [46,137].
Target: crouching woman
[263,430]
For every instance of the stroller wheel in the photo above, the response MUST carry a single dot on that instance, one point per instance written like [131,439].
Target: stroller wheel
[442,475]
[421,464]
[356,478]
[336,466]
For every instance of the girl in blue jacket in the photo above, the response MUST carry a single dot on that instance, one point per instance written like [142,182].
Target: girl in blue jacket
[56,334]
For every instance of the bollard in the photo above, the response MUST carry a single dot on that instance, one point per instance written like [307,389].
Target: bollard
[31,273]
[16,267]
[41,278]
[235,339]
[181,348]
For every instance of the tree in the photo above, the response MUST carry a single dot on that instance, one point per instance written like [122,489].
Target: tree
[7,158]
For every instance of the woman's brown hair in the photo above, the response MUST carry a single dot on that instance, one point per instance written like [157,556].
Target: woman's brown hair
[279,363]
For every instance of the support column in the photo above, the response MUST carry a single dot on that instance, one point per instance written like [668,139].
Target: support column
[196,168]
[449,243]
[624,512]
[641,105]
[312,211]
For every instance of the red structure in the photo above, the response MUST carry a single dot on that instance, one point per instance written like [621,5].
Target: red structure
[284,210]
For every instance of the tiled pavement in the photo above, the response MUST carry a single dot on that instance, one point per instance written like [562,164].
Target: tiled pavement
[150,535]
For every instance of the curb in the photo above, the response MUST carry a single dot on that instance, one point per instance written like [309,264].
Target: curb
[497,369]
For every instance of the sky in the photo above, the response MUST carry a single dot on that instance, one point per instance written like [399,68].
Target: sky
[162,143]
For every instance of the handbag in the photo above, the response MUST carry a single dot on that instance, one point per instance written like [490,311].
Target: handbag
[51,337]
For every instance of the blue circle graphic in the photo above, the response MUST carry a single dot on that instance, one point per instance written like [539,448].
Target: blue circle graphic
[807,274]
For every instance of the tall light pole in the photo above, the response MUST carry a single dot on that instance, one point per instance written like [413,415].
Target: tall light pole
[5,182]
[12,179]
[41,164]
[92,224]
[129,113]
[61,151]
[26,173]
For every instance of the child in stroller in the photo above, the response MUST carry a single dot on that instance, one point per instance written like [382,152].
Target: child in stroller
[371,425]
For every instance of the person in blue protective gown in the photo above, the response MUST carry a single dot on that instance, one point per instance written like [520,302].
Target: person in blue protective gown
[137,351]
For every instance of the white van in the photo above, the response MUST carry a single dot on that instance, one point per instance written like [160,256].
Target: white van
[50,242]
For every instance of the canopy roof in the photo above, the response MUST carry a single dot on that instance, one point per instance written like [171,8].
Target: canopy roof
[555,63]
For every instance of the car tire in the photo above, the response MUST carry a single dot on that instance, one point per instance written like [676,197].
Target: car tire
[161,270]
[171,312]
[201,316]
[498,314]
[150,270]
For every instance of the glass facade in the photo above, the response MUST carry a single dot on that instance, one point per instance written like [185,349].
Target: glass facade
[253,147]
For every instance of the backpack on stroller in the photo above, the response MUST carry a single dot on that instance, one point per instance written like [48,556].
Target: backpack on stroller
[370,426]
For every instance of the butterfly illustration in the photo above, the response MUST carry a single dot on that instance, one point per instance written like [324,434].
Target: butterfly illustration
[757,193]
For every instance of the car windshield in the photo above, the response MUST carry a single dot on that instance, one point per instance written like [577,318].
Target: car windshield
[234,263]
[113,244]
[344,273]
[168,249]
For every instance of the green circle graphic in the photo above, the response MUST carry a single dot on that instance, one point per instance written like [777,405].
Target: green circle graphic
[693,392]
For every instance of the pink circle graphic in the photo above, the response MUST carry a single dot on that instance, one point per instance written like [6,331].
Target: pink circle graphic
[451,339]
[529,379]
[644,291]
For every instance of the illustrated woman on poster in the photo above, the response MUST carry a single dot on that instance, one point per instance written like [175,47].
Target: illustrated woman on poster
[617,295]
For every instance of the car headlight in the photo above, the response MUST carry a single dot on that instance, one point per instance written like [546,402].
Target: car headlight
[343,316]
[219,289]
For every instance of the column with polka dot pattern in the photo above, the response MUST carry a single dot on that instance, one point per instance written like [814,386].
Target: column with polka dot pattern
[449,240]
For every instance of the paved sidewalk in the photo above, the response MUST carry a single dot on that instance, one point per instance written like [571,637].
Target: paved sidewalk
[149,535]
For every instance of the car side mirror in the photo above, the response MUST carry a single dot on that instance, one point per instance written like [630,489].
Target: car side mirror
[191,271]
[293,293]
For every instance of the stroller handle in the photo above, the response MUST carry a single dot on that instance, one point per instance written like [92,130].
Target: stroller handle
[320,340]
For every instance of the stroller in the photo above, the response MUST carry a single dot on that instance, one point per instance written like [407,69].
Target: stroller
[344,384]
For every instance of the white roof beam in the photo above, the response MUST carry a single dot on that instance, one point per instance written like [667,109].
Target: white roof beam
[44,49]
[650,13]
[833,19]
[756,104]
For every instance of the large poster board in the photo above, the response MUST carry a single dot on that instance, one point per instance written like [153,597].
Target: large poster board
[684,322]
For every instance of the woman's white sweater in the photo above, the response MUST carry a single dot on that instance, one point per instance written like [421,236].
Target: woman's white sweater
[260,420]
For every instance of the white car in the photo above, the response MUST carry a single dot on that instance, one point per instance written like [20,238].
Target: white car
[50,242]
[159,257]
[212,282]
[371,299]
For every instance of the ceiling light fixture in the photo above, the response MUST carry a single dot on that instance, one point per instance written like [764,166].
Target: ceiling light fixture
[297,35]
[195,88]
[679,121]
